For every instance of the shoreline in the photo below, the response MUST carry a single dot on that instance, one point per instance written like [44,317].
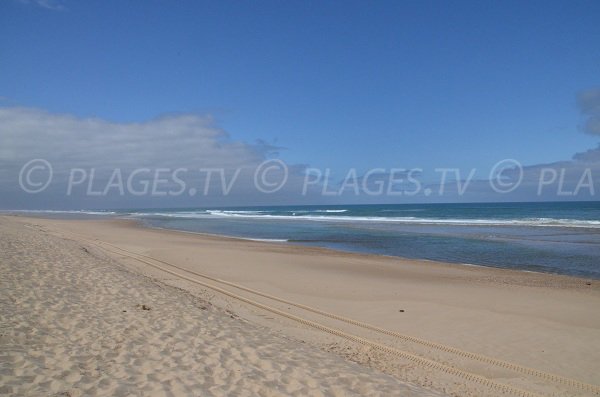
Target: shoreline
[141,224]
[531,320]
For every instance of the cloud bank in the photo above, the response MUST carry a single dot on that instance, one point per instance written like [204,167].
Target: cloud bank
[184,141]
[67,141]
[186,160]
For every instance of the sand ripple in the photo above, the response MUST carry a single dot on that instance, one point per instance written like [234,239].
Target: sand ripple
[73,323]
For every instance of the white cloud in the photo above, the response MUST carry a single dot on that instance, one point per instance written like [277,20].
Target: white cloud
[187,141]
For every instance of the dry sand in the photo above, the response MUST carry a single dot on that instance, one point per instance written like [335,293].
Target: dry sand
[73,323]
[63,324]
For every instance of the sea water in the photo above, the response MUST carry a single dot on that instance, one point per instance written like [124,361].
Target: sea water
[548,237]
[557,237]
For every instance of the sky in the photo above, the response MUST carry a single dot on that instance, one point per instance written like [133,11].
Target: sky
[319,85]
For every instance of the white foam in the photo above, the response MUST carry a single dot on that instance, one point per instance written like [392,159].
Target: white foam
[547,222]
[310,216]
[265,240]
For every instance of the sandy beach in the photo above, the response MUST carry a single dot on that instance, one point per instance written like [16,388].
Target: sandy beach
[107,307]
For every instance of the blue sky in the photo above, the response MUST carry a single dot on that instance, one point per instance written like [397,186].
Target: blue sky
[337,84]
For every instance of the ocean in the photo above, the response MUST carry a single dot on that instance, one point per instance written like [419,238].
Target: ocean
[552,237]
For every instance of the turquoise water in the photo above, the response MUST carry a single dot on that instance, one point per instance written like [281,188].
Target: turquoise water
[547,237]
